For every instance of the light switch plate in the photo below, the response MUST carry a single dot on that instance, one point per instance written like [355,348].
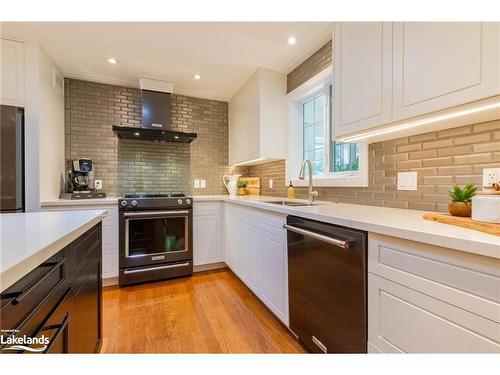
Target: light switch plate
[407,180]
[196,184]
[98,184]
[270,183]
[202,184]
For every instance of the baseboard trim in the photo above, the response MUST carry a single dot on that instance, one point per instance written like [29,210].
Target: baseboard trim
[209,267]
[110,281]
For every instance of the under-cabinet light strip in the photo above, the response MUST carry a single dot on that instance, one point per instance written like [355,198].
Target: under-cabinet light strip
[426,121]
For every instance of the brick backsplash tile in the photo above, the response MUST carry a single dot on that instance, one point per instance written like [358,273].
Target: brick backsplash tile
[91,109]
[439,165]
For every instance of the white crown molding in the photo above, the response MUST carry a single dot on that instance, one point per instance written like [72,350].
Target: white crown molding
[124,83]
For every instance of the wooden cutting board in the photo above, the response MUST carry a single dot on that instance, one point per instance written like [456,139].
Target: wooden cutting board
[465,222]
[253,185]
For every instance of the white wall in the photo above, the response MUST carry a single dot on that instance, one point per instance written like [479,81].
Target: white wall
[50,127]
[44,127]
[31,144]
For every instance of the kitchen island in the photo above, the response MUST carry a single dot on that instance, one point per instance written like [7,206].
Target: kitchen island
[51,285]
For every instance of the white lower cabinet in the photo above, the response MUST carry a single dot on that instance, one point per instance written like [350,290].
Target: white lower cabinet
[255,250]
[207,233]
[428,299]
[273,274]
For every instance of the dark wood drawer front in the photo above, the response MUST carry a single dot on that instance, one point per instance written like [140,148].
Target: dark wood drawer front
[85,247]
[61,300]
[40,286]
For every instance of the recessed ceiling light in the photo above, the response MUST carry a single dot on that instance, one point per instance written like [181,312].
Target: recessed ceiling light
[137,134]
[112,60]
[292,40]
[196,76]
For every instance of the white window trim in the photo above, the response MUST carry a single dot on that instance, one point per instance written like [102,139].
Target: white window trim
[294,134]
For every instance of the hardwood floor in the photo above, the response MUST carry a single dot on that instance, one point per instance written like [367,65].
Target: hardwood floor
[210,312]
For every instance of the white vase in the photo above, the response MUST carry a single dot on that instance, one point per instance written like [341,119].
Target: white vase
[232,183]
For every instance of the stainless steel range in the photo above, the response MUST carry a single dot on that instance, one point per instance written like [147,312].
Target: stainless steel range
[156,237]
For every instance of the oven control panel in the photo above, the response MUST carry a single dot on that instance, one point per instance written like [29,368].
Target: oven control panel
[129,204]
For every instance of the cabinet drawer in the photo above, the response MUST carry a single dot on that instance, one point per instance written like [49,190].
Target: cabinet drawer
[56,327]
[273,223]
[206,208]
[469,281]
[402,320]
[245,214]
[40,287]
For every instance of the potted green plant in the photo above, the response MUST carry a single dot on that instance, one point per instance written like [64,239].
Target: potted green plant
[241,187]
[461,200]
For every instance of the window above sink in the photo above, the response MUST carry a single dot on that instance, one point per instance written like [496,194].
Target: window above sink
[310,136]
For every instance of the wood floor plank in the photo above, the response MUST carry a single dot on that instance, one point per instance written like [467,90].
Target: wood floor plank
[210,312]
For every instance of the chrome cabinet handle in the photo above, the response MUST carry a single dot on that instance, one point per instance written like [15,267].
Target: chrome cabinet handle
[319,237]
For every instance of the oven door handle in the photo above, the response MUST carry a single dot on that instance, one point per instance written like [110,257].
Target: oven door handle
[185,264]
[155,213]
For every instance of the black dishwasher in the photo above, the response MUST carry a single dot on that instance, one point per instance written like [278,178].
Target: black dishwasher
[327,281]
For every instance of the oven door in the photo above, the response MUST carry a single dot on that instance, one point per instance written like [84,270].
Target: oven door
[152,237]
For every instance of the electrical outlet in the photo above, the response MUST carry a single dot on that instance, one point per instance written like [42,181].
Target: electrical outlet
[407,180]
[196,184]
[98,184]
[490,175]
[270,183]
[202,184]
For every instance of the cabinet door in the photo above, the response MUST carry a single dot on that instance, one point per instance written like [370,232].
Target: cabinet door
[247,256]
[231,236]
[273,274]
[12,73]
[244,122]
[206,235]
[362,60]
[86,324]
[438,65]
[402,320]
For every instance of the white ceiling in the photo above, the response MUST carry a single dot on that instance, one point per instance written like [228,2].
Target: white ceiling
[224,54]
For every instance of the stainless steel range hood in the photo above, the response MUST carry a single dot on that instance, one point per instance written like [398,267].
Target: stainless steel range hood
[156,115]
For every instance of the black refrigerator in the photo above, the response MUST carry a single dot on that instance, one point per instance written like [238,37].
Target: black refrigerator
[12,159]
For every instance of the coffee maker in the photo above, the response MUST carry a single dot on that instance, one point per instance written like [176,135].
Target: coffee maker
[79,184]
[81,175]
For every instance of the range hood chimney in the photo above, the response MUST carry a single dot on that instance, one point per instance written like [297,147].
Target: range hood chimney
[156,115]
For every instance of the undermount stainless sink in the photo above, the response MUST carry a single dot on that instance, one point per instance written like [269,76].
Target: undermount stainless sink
[294,204]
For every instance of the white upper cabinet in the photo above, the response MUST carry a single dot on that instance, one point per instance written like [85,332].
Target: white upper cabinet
[257,119]
[387,73]
[12,73]
[362,75]
[439,65]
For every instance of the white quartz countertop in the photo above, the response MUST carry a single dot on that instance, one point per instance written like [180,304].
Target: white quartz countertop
[108,201]
[29,239]
[395,222]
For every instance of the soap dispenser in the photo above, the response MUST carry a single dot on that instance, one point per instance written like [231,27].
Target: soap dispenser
[291,191]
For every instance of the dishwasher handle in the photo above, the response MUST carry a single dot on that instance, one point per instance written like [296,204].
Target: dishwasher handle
[319,237]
